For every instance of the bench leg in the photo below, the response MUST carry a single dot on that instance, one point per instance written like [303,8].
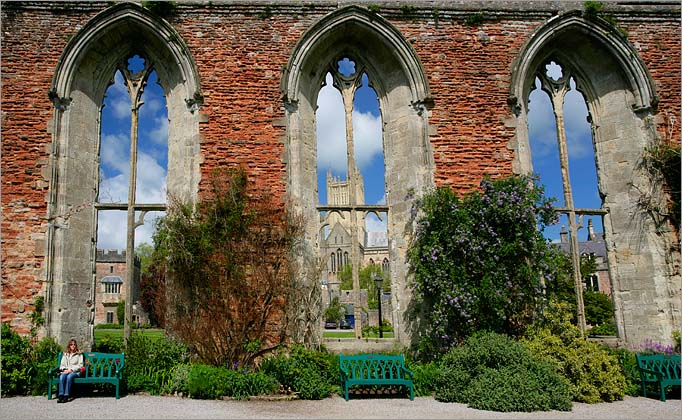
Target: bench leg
[662,391]
[346,393]
[49,389]
[412,393]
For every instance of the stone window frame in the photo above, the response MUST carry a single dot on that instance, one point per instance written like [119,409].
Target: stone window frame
[83,74]
[400,82]
[621,104]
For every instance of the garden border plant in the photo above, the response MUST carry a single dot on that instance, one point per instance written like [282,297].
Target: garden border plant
[480,261]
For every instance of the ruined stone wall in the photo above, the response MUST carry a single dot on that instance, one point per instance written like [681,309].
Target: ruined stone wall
[240,50]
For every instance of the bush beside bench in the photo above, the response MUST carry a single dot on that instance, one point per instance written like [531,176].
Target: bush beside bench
[105,368]
[374,369]
[661,369]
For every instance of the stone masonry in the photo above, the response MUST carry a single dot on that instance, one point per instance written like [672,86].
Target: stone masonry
[241,80]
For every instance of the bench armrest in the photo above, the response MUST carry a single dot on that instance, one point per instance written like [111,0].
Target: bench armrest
[408,373]
[53,372]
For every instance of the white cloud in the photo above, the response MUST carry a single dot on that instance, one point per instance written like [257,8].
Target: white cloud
[115,152]
[112,227]
[373,224]
[119,98]
[331,132]
[542,126]
[151,180]
[367,136]
[159,133]
[111,230]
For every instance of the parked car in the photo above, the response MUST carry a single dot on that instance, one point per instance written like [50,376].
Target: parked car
[344,324]
[330,325]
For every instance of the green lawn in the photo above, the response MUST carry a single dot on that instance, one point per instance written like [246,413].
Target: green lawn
[152,333]
[351,334]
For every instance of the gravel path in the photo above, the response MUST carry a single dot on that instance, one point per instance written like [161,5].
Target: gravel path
[151,407]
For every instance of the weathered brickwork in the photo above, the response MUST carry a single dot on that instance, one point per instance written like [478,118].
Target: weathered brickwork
[240,51]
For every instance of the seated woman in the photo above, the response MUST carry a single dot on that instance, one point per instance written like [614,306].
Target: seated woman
[70,367]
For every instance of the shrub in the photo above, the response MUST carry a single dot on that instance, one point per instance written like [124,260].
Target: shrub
[229,255]
[15,363]
[536,388]
[44,357]
[628,366]
[479,261]
[109,326]
[207,382]
[593,373]
[598,307]
[424,377]
[494,372]
[210,382]
[312,374]
[150,363]
[178,383]
[108,344]
[604,329]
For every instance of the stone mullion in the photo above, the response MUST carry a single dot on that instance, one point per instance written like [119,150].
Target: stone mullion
[557,92]
[348,93]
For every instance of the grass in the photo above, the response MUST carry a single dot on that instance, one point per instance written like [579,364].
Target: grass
[152,333]
[351,334]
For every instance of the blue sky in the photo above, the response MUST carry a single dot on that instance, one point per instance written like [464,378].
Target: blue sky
[545,153]
[367,130]
[115,159]
[331,147]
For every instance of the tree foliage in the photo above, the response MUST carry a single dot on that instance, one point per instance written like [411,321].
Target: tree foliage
[480,261]
[366,277]
[226,261]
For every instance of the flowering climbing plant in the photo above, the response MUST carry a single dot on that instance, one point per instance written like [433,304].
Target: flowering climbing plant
[479,261]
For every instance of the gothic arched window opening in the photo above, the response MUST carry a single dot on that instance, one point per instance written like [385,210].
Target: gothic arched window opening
[133,166]
[351,169]
[563,156]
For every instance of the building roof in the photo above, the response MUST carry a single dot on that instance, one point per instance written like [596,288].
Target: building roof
[112,279]
[594,245]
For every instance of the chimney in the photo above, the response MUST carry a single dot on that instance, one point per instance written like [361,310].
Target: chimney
[564,235]
[590,230]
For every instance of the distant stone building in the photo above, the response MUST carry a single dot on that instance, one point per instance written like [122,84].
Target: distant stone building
[110,287]
[595,247]
[335,238]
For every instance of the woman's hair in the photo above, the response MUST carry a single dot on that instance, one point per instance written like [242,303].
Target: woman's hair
[68,346]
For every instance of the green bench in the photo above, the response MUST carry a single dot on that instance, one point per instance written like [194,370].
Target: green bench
[98,368]
[374,369]
[661,369]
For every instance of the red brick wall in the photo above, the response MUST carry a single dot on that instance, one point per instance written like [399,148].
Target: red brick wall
[240,53]
[32,42]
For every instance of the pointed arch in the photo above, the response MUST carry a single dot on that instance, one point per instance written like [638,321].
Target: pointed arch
[552,38]
[404,96]
[621,101]
[85,70]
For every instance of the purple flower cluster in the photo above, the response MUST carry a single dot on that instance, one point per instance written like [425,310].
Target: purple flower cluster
[650,346]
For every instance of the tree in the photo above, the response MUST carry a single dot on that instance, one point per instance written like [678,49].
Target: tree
[598,308]
[480,261]
[334,311]
[121,311]
[365,275]
[227,268]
